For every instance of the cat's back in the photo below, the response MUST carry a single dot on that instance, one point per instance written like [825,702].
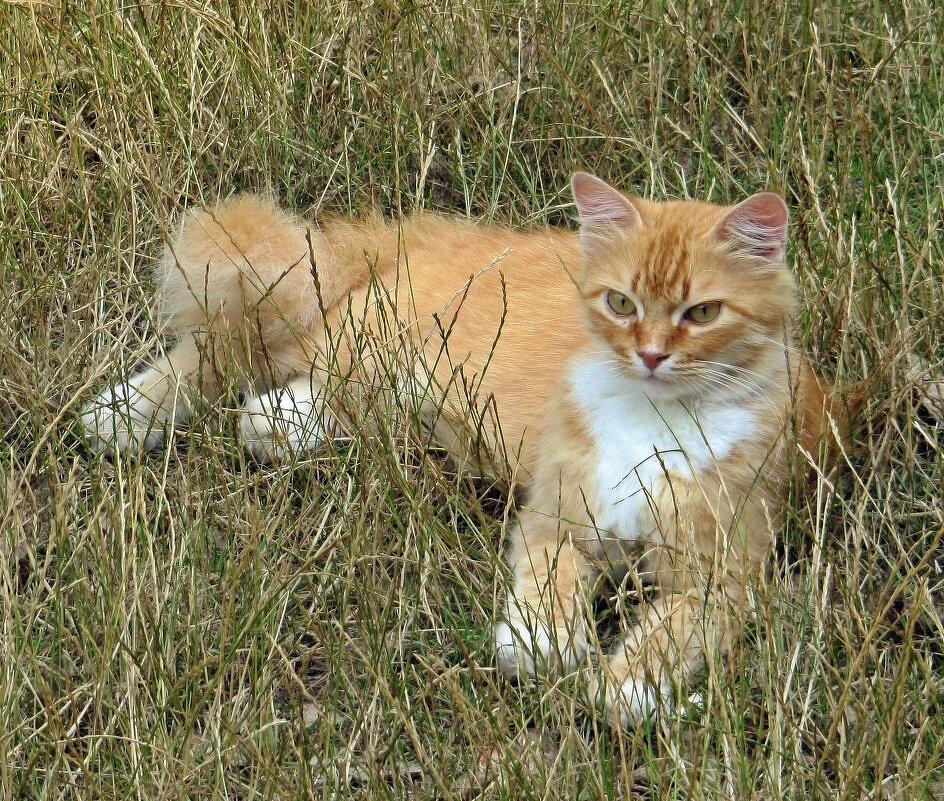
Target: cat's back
[430,260]
[446,254]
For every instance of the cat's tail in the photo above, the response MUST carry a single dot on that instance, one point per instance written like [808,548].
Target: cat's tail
[239,279]
[850,406]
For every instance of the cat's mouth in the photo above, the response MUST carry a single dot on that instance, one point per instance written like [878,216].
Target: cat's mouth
[660,373]
[661,382]
[659,379]
[655,378]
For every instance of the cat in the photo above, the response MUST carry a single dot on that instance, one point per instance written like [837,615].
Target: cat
[639,377]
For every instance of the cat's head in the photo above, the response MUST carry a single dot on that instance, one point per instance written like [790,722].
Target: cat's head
[693,299]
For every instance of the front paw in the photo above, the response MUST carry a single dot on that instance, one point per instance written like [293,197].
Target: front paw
[527,645]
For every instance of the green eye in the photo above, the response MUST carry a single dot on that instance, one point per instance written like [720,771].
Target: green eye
[620,304]
[703,312]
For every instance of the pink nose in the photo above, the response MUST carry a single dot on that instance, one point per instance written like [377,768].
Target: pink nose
[651,359]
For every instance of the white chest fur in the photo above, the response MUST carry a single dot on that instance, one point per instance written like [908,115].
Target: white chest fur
[642,442]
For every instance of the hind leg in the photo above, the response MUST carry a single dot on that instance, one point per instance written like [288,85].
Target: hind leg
[287,420]
[134,415]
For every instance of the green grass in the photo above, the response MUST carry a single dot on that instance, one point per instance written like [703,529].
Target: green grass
[191,625]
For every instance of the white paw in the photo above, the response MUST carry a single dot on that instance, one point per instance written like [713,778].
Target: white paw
[282,423]
[630,702]
[527,647]
[122,418]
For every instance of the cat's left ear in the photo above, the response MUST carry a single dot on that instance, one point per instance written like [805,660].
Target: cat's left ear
[602,208]
[756,227]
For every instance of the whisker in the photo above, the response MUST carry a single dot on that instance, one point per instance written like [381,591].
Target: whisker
[747,391]
[786,346]
[736,368]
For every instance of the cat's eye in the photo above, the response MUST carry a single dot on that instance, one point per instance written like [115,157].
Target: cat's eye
[703,312]
[620,304]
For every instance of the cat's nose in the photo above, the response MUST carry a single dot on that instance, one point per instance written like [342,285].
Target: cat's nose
[652,359]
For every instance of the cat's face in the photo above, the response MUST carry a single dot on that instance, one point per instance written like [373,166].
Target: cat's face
[692,299]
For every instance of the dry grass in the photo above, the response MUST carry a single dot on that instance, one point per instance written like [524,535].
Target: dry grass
[191,625]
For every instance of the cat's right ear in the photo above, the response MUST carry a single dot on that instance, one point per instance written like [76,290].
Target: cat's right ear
[602,208]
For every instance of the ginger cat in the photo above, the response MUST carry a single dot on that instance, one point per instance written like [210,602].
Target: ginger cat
[640,376]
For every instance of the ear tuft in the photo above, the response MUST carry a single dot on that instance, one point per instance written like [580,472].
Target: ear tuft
[756,227]
[601,207]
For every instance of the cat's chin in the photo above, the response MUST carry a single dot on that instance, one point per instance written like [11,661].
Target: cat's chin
[670,387]
[661,388]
